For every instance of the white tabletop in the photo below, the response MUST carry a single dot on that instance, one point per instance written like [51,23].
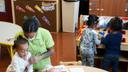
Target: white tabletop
[84,69]
[8,32]
[75,68]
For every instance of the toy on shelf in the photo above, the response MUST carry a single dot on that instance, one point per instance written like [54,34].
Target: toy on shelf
[44,18]
[80,31]
[48,6]
[38,8]
[29,8]
[125,36]
[20,9]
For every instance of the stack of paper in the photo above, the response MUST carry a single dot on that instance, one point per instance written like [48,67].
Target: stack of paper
[76,69]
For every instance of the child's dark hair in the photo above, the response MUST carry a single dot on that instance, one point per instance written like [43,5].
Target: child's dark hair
[115,24]
[18,41]
[30,24]
[92,19]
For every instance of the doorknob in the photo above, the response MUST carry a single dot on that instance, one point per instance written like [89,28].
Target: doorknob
[90,9]
[90,4]
[98,9]
[102,9]
[126,10]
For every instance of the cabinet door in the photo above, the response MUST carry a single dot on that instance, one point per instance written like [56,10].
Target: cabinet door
[94,7]
[112,7]
[120,7]
[107,7]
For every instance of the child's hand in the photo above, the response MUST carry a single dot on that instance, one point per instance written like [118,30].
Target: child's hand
[51,70]
[101,34]
[32,60]
[35,59]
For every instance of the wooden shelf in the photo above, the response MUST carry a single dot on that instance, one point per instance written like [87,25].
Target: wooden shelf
[47,0]
[121,59]
[124,47]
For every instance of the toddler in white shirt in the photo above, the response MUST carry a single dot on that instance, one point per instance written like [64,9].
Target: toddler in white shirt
[20,61]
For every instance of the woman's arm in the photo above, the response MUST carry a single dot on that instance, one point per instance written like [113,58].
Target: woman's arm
[48,53]
[42,56]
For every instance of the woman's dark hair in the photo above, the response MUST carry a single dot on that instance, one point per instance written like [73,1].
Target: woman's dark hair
[92,19]
[18,41]
[115,24]
[30,24]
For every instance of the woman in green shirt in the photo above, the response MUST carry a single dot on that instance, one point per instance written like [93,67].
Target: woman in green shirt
[40,43]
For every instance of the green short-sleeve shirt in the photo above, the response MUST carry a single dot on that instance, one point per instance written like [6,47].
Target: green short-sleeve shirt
[41,42]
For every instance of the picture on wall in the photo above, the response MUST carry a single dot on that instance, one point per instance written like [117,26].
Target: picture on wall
[2,6]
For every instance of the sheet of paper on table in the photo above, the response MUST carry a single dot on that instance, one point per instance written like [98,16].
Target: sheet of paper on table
[76,69]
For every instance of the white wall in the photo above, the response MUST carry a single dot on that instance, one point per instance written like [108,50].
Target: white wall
[70,12]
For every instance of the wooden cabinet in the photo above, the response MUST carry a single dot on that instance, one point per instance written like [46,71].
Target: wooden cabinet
[120,7]
[126,8]
[94,7]
[107,7]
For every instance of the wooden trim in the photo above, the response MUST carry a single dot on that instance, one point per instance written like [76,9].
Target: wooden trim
[7,16]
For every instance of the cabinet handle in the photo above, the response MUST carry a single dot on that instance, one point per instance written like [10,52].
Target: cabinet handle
[126,10]
[90,4]
[90,9]
[98,9]
[102,9]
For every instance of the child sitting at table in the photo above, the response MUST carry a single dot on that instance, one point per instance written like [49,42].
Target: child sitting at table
[89,40]
[112,43]
[20,61]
